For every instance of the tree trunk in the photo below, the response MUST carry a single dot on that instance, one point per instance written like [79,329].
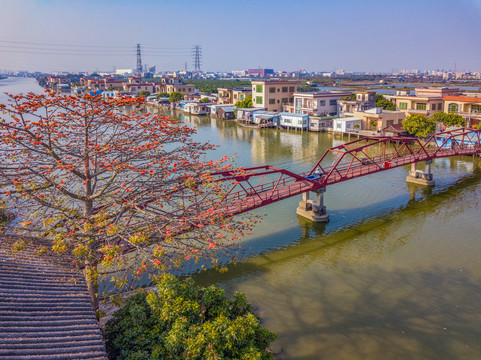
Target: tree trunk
[92,286]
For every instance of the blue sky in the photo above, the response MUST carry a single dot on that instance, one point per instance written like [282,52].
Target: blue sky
[322,35]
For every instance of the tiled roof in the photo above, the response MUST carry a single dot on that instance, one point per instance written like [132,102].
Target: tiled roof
[463,99]
[45,310]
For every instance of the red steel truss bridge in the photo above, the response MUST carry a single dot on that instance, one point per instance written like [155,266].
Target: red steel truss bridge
[259,186]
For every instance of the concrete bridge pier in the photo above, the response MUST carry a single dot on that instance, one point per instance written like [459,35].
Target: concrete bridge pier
[421,177]
[313,209]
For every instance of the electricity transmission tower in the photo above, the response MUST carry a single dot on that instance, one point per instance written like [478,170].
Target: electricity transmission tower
[196,57]
[139,60]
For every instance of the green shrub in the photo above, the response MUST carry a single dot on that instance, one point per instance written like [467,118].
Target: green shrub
[184,321]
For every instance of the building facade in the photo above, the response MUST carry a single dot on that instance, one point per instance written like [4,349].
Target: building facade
[425,101]
[273,94]
[316,103]
[469,107]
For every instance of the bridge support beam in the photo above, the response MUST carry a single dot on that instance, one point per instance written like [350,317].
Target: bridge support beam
[421,177]
[313,209]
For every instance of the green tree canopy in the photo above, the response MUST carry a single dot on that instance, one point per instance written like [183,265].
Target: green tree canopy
[246,103]
[419,125]
[449,119]
[384,103]
[204,100]
[144,93]
[161,95]
[176,96]
[184,321]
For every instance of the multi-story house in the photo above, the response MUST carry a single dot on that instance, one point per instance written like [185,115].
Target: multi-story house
[315,103]
[364,100]
[426,101]
[232,95]
[273,94]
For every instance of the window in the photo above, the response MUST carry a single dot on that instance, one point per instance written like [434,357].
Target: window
[452,108]
[339,125]
[284,89]
[403,106]
[476,109]
[272,101]
[259,99]
[272,89]
[291,89]
[259,88]
[433,107]
[242,96]
[440,106]
[322,103]
[332,102]
[285,100]
[287,121]
[420,106]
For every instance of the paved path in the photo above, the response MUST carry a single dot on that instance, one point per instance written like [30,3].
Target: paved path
[45,310]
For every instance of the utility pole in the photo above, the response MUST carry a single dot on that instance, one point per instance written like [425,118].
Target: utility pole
[139,60]
[196,57]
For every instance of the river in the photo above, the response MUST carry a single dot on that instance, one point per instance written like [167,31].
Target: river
[395,274]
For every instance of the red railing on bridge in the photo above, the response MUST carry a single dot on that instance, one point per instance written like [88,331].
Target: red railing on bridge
[260,186]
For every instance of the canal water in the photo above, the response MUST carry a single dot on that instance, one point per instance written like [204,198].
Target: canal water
[395,274]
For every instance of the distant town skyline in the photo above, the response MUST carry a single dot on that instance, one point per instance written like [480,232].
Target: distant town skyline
[323,35]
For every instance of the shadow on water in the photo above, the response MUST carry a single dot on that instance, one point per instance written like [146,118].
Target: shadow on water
[328,296]
[429,314]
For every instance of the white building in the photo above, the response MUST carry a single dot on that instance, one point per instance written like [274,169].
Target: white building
[346,124]
[294,121]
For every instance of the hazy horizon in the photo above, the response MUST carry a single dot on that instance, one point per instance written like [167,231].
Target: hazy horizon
[325,35]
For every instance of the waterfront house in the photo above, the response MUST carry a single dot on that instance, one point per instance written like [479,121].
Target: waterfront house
[316,103]
[294,121]
[246,114]
[266,119]
[226,112]
[183,89]
[273,94]
[320,123]
[345,124]
[364,100]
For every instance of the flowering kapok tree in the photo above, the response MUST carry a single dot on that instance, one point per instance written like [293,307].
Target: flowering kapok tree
[122,193]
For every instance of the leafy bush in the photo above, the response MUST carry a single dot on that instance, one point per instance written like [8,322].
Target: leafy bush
[184,321]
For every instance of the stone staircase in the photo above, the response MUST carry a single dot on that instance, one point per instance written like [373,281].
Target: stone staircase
[45,310]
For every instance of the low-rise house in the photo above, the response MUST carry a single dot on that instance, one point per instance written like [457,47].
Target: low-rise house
[469,107]
[394,130]
[196,108]
[246,114]
[294,121]
[378,118]
[226,112]
[316,103]
[320,123]
[266,119]
[345,124]
[215,107]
